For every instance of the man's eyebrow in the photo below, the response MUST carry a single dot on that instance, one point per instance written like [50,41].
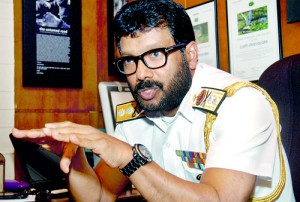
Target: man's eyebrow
[148,47]
[126,55]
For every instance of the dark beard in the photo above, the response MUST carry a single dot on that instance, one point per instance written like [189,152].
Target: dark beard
[173,96]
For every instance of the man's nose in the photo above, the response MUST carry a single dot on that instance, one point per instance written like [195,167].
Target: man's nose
[142,71]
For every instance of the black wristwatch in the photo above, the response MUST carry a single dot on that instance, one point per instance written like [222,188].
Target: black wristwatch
[141,156]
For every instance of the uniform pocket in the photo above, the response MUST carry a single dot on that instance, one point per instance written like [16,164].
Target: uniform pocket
[192,174]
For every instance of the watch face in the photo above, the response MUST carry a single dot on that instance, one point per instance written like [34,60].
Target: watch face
[144,151]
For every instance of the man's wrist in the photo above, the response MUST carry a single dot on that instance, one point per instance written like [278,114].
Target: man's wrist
[141,156]
[128,158]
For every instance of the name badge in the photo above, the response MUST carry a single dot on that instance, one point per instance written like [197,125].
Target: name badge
[209,99]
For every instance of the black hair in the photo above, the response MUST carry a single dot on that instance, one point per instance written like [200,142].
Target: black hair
[144,15]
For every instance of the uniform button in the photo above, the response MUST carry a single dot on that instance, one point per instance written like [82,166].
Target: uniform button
[168,144]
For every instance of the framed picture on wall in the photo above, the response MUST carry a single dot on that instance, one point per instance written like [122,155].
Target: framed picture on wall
[254,37]
[113,6]
[52,43]
[293,13]
[204,21]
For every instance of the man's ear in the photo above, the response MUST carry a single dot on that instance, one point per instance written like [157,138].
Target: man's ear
[192,54]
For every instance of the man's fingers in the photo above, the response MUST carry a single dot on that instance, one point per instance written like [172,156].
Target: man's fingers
[59,124]
[83,142]
[34,133]
[65,164]
[68,154]
[69,128]
[80,142]
[60,135]
[64,134]
[62,124]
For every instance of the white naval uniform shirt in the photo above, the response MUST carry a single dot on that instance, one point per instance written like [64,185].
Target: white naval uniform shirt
[243,136]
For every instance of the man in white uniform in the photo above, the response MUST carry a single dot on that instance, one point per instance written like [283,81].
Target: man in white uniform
[195,133]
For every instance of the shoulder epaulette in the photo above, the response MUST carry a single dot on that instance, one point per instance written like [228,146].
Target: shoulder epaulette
[209,99]
[128,111]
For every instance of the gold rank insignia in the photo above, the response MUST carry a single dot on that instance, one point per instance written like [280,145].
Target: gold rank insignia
[209,99]
[128,111]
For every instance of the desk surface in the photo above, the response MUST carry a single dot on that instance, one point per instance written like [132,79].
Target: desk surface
[128,195]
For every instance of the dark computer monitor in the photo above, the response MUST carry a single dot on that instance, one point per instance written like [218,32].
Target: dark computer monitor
[40,166]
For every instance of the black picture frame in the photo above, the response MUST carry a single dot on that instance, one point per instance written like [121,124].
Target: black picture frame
[293,14]
[204,17]
[112,71]
[254,36]
[112,8]
[52,49]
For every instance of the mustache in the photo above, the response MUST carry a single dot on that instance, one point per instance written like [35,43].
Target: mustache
[147,84]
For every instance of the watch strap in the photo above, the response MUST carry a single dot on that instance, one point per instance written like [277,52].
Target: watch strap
[136,162]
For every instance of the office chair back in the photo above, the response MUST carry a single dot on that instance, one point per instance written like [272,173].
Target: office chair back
[282,81]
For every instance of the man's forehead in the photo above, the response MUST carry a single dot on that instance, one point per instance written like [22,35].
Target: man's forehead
[143,41]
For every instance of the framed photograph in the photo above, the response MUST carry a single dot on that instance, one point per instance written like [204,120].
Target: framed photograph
[254,37]
[118,4]
[204,21]
[293,14]
[113,6]
[52,43]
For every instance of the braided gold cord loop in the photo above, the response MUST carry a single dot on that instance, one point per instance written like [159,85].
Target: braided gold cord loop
[210,118]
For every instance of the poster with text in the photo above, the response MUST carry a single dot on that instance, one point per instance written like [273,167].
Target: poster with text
[253,31]
[204,21]
[52,43]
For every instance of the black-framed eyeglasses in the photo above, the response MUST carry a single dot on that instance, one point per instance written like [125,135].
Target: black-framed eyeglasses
[153,59]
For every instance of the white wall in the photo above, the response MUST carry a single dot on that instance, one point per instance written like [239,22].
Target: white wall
[7,83]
